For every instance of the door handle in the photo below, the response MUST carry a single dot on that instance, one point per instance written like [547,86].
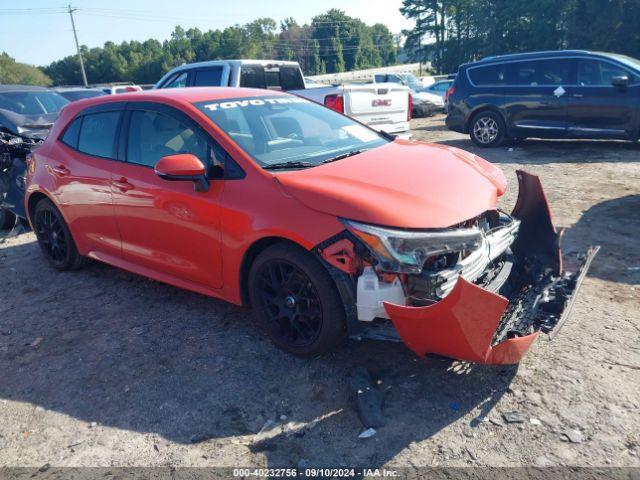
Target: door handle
[577,95]
[123,184]
[60,170]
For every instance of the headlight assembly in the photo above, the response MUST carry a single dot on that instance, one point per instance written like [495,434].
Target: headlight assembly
[406,251]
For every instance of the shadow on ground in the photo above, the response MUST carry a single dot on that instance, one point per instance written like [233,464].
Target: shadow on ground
[102,345]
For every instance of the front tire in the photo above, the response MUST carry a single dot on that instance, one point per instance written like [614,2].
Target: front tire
[54,237]
[295,301]
[487,129]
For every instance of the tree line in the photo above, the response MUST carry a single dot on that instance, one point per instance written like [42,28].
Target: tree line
[466,30]
[332,42]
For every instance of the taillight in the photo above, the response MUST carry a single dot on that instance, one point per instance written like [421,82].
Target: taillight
[410,108]
[334,102]
[450,92]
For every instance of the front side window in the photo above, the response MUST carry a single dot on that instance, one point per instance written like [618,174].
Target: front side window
[598,73]
[179,81]
[153,135]
[98,134]
[279,130]
[210,77]
[489,75]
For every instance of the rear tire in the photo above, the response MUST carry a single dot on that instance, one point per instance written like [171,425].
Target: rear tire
[295,301]
[487,129]
[54,237]
[7,219]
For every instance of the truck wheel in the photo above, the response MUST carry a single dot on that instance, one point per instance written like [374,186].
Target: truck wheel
[487,129]
[7,219]
[295,301]
[54,237]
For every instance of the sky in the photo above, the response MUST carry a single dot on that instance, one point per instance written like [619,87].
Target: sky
[39,31]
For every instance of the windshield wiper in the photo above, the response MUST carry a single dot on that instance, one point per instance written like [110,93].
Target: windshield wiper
[343,155]
[287,165]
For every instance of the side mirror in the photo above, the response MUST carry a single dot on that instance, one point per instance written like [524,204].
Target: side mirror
[183,167]
[620,82]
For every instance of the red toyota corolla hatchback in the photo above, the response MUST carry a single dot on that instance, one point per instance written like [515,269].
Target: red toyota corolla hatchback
[325,227]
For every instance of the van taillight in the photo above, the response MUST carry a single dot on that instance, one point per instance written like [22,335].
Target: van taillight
[450,92]
[334,102]
[410,108]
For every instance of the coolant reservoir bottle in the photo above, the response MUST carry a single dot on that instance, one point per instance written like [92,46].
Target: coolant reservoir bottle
[372,292]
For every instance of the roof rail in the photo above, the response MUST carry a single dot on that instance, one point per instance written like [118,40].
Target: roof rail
[528,54]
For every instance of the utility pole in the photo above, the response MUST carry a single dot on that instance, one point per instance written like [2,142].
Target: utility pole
[75,35]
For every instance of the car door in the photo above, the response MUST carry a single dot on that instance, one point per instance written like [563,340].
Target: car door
[166,226]
[535,96]
[597,107]
[82,172]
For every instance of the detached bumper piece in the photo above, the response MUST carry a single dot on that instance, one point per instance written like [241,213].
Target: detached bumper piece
[477,325]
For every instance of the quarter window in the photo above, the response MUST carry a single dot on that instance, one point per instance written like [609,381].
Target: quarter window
[98,134]
[153,135]
[489,75]
[595,72]
[72,132]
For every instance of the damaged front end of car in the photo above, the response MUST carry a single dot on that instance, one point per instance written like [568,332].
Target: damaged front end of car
[481,291]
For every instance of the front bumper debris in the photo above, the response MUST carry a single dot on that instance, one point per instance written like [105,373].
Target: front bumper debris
[477,325]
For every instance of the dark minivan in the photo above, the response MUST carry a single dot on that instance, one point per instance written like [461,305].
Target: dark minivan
[557,94]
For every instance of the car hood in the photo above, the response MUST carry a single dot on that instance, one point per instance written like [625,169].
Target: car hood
[32,126]
[401,184]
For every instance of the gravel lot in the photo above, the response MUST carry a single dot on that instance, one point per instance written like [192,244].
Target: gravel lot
[104,368]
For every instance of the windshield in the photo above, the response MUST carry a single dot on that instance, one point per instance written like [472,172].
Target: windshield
[275,130]
[32,103]
[413,82]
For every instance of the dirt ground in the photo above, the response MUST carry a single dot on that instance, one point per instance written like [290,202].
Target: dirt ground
[100,367]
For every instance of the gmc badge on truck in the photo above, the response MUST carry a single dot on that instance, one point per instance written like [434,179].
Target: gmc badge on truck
[381,102]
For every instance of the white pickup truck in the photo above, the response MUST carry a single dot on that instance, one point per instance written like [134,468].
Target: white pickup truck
[382,106]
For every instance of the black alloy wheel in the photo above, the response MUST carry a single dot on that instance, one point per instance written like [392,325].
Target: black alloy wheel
[54,237]
[295,301]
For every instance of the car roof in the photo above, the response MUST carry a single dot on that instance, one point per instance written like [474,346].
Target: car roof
[21,88]
[181,95]
[533,55]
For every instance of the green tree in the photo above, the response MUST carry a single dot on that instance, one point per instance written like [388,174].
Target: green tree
[21,73]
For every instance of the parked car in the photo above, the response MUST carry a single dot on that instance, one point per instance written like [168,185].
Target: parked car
[425,103]
[116,88]
[318,222]
[78,93]
[382,107]
[439,88]
[559,94]
[26,115]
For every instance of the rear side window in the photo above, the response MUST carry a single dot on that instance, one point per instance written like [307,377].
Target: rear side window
[211,77]
[489,75]
[98,134]
[540,72]
[71,134]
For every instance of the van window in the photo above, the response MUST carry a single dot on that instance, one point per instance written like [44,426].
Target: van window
[596,72]
[210,77]
[489,75]
[540,72]
[98,134]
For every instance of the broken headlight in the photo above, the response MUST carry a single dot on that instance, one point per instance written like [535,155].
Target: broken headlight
[406,251]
